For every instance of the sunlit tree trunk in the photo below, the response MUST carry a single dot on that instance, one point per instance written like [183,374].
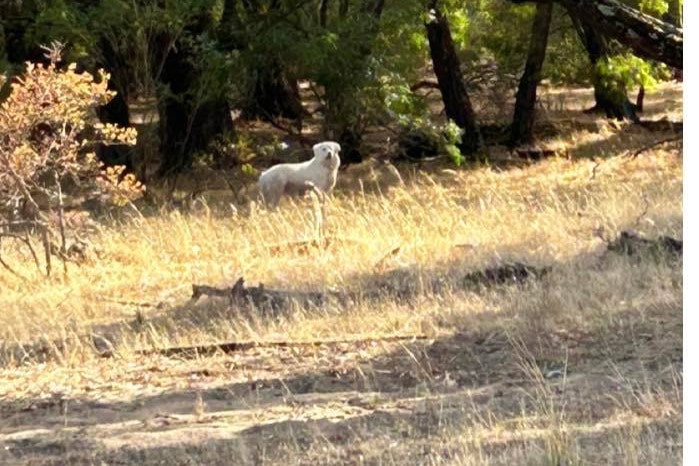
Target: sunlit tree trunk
[610,98]
[447,67]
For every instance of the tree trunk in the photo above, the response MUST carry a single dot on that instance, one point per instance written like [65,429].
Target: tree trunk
[674,17]
[523,120]
[323,13]
[674,13]
[447,67]
[610,98]
[187,124]
[343,9]
[647,36]
[274,95]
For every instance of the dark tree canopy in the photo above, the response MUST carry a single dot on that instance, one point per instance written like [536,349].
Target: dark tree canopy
[204,71]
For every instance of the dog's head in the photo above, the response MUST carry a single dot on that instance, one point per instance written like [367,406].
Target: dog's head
[328,153]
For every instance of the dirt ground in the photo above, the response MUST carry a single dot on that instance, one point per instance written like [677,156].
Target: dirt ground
[365,402]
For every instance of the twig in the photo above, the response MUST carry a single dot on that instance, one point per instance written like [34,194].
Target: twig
[655,144]
[11,270]
[646,206]
[131,303]
[593,173]
[318,210]
[46,243]
[392,253]
[26,241]
[61,222]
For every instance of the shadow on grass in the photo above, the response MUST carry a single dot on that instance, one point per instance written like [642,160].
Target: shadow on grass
[494,391]
[498,384]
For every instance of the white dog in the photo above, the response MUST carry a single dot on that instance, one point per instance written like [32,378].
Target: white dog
[298,178]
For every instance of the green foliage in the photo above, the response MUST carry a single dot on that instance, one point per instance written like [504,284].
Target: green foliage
[420,137]
[626,70]
[566,60]
[249,170]
[140,35]
[654,7]
[363,70]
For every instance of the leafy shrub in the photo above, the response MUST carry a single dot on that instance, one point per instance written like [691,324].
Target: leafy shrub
[420,139]
[48,132]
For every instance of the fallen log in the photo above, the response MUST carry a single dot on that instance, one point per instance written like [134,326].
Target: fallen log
[508,273]
[261,298]
[631,244]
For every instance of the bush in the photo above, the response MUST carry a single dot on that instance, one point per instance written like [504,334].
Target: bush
[48,132]
[419,139]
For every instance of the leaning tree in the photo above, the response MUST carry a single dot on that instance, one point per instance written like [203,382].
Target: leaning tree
[646,36]
[596,22]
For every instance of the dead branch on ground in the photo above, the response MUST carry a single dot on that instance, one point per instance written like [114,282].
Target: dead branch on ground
[655,144]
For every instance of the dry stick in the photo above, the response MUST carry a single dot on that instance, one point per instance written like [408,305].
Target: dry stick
[61,222]
[46,242]
[655,144]
[593,172]
[318,211]
[27,242]
[646,206]
[11,270]
[231,347]
[35,207]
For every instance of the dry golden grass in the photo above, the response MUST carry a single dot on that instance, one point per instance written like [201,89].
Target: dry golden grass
[461,221]
[480,390]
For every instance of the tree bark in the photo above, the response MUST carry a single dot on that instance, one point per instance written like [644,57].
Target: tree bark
[323,13]
[275,95]
[523,120]
[645,35]
[610,98]
[674,13]
[187,124]
[447,67]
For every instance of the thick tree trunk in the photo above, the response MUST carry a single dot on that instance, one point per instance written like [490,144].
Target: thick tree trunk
[187,125]
[523,120]
[610,98]
[272,94]
[674,17]
[323,13]
[275,95]
[647,36]
[447,67]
